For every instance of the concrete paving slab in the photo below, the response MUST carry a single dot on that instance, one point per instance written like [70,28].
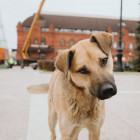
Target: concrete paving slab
[23,116]
[122,117]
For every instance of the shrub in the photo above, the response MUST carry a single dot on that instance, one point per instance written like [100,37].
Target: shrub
[46,65]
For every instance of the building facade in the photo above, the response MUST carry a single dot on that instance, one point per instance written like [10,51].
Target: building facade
[54,33]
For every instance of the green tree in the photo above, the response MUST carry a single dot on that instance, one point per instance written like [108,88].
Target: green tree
[136,61]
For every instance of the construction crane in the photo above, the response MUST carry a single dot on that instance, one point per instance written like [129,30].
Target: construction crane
[25,46]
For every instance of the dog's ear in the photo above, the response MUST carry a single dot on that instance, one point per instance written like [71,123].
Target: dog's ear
[64,60]
[104,41]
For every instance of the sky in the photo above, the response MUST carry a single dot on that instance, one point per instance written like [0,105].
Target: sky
[14,11]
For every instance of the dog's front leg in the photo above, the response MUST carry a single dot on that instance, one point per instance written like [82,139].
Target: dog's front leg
[69,133]
[69,137]
[52,118]
[94,135]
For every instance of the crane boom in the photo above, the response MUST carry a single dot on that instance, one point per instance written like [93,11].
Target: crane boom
[25,48]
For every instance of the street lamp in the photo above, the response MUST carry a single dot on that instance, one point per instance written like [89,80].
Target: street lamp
[119,55]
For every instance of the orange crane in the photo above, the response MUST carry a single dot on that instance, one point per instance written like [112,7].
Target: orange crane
[25,46]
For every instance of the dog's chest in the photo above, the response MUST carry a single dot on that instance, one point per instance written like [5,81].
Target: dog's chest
[84,111]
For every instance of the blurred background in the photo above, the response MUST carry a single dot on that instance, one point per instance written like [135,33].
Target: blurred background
[60,24]
[34,32]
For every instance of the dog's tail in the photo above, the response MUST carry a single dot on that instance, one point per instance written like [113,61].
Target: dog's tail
[43,88]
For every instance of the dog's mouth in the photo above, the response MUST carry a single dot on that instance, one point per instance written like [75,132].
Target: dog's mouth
[92,92]
[102,96]
[98,96]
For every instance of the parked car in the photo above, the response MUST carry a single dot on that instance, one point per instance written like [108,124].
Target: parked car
[33,65]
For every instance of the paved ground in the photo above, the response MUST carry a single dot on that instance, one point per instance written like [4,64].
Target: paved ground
[23,116]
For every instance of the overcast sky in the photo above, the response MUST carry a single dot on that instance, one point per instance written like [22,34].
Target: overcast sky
[13,11]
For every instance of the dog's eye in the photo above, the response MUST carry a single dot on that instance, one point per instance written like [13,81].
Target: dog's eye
[104,61]
[83,71]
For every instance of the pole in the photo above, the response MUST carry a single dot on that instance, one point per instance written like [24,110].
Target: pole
[119,55]
[25,49]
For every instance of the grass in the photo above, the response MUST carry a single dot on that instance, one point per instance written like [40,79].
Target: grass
[3,67]
[128,73]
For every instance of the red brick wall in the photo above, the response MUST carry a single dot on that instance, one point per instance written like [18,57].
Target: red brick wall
[126,39]
[53,40]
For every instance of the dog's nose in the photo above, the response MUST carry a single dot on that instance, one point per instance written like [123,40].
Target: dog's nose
[108,91]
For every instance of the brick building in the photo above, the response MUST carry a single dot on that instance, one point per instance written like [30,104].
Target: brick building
[53,33]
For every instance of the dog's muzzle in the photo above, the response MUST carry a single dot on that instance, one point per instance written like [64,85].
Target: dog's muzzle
[106,91]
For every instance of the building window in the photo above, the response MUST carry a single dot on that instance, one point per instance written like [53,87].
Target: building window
[123,45]
[43,41]
[42,55]
[114,58]
[35,41]
[115,45]
[26,28]
[62,42]
[123,59]
[71,42]
[45,29]
[131,45]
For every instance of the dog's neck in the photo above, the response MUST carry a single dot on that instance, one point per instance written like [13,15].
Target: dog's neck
[81,103]
[81,91]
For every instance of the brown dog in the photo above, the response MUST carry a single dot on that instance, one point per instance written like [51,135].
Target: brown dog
[79,85]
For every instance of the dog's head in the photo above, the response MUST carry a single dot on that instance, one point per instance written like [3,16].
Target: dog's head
[89,66]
